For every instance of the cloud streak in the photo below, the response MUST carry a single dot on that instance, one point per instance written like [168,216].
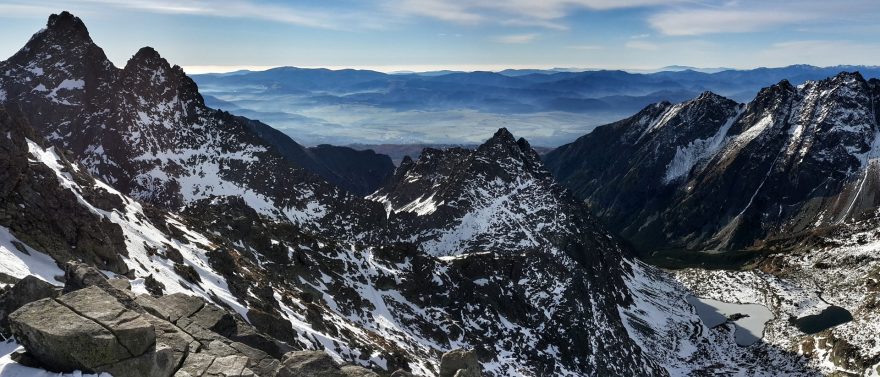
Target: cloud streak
[709,21]
[515,38]
[545,13]
[300,16]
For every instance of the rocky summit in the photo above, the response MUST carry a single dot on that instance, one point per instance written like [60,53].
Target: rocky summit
[143,233]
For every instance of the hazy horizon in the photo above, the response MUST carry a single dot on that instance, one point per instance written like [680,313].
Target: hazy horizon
[467,35]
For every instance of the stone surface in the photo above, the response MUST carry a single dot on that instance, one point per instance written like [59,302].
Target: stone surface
[134,332]
[309,364]
[63,340]
[25,291]
[356,371]
[460,363]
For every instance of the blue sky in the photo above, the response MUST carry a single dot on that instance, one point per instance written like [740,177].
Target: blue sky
[392,35]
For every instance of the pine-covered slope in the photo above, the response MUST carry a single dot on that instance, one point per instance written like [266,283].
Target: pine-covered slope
[730,177]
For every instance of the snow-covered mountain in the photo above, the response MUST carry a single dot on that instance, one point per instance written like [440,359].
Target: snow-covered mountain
[146,130]
[783,188]
[127,170]
[713,174]
[385,305]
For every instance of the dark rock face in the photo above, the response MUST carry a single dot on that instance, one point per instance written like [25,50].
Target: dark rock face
[31,200]
[711,174]
[571,256]
[359,172]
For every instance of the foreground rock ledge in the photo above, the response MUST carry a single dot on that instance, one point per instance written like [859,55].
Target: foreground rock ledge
[102,328]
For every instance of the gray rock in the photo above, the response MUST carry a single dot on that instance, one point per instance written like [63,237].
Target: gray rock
[80,275]
[25,291]
[121,284]
[460,363]
[309,364]
[205,365]
[401,373]
[89,330]
[134,332]
[357,371]
[63,340]
[171,307]
[160,362]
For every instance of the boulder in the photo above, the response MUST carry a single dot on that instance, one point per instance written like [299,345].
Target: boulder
[460,363]
[25,291]
[80,275]
[90,330]
[357,371]
[121,284]
[401,373]
[205,365]
[133,331]
[171,307]
[64,341]
[309,364]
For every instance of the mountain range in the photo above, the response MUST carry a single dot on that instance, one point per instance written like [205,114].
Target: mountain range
[533,264]
[359,106]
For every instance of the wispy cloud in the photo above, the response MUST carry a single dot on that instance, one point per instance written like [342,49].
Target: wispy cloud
[586,47]
[751,16]
[642,45]
[301,16]
[707,21]
[515,38]
[820,52]
[545,13]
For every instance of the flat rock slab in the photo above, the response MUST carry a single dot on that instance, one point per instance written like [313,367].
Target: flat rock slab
[63,340]
[205,365]
[133,331]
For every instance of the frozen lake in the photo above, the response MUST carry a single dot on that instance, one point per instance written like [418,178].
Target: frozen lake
[749,319]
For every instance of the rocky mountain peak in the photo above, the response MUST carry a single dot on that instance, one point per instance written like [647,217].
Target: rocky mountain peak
[504,151]
[501,136]
[148,57]
[150,75]
[65,22]
[63,31]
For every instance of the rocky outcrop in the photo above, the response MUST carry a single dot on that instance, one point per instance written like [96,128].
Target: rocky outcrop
[91,329]
[318,364]
[460,363]
[25,291]
[31,200]
[83,330]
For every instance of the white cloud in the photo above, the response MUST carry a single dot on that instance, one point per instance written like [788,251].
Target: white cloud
[819,52]
[515,38]
[642,45]
[586,47]
[25,10]
[707,21]
[540,13]
[322,19]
